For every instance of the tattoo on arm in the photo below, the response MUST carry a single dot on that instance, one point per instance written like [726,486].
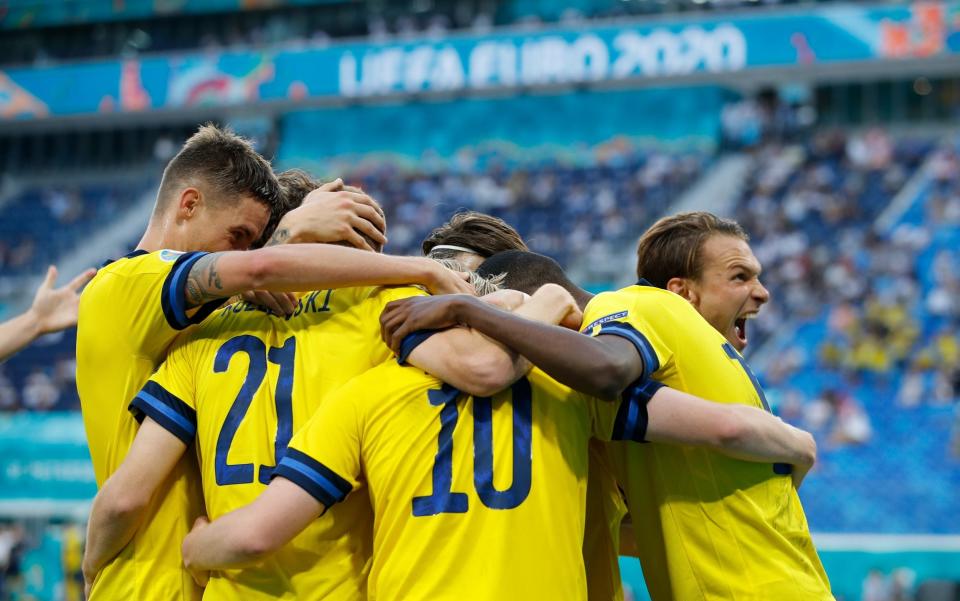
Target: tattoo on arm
[203,281]
[279,237]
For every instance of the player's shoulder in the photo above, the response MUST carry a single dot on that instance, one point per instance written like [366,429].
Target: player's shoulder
[622,304]
[383,383]
[141,262]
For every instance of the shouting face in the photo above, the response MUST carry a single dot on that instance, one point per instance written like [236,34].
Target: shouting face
[728,292]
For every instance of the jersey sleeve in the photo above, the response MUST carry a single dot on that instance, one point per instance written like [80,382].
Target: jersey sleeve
[379,299]
[324,456]
[636,318]
[173,299]
[626,418]
[169,395]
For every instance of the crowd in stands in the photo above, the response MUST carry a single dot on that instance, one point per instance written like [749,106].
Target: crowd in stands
[892,317]
[33,216]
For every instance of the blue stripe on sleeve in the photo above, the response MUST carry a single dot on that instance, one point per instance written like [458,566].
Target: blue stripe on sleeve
[412,341]
[167,410]
[632,418]
[325,485]
[173,296]
[651,364]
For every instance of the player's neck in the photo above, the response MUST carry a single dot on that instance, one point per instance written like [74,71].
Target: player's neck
[158,237]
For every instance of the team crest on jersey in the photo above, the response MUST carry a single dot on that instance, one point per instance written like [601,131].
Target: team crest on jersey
[169,255]
[605,319]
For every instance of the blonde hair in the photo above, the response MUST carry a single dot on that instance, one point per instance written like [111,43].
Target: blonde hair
[481,284]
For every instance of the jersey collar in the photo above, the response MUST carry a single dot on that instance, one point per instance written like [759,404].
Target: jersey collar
[129,255]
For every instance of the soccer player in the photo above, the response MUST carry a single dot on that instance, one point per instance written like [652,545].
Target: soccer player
[707,526]
[507,560]
[217,194]
[51,311]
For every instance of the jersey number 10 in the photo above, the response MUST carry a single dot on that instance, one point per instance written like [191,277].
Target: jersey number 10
[443,499]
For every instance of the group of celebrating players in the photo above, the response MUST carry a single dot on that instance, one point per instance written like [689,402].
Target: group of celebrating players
[316,420]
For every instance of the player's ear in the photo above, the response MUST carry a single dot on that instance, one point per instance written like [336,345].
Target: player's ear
[188,203]
[682,287]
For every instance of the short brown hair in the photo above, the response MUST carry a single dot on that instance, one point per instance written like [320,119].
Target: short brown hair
[295,184]
[484,234]
[673,246]
[226,163]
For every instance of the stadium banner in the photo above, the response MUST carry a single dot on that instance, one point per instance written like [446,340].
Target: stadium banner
[507,59]
[44,458]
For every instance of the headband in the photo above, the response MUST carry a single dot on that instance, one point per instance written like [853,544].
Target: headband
[452,247]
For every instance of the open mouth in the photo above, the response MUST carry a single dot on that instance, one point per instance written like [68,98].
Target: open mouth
[740,329]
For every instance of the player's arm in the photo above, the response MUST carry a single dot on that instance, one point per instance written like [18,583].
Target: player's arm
[52,310]
[739,431]
[118,509]
[601,366]
[478,365]
[246,535]
[299,267]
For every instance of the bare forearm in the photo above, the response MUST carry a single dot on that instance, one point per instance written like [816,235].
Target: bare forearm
[17,333]
[577,360]
[301,267]
[222,544]
[738,431]
[766,438]
[469,361]
[108,532]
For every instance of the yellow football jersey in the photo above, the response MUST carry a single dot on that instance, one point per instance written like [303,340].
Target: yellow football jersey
[130,313]
[240,385]
[708,527]
[475,498]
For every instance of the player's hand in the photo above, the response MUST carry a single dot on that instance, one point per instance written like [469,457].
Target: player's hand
[334,213]
[402,317]
[88,579]
[802,468]
[57,309]
[505,299]
[199,576]
[564,309]
[281,303]
[447,281]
